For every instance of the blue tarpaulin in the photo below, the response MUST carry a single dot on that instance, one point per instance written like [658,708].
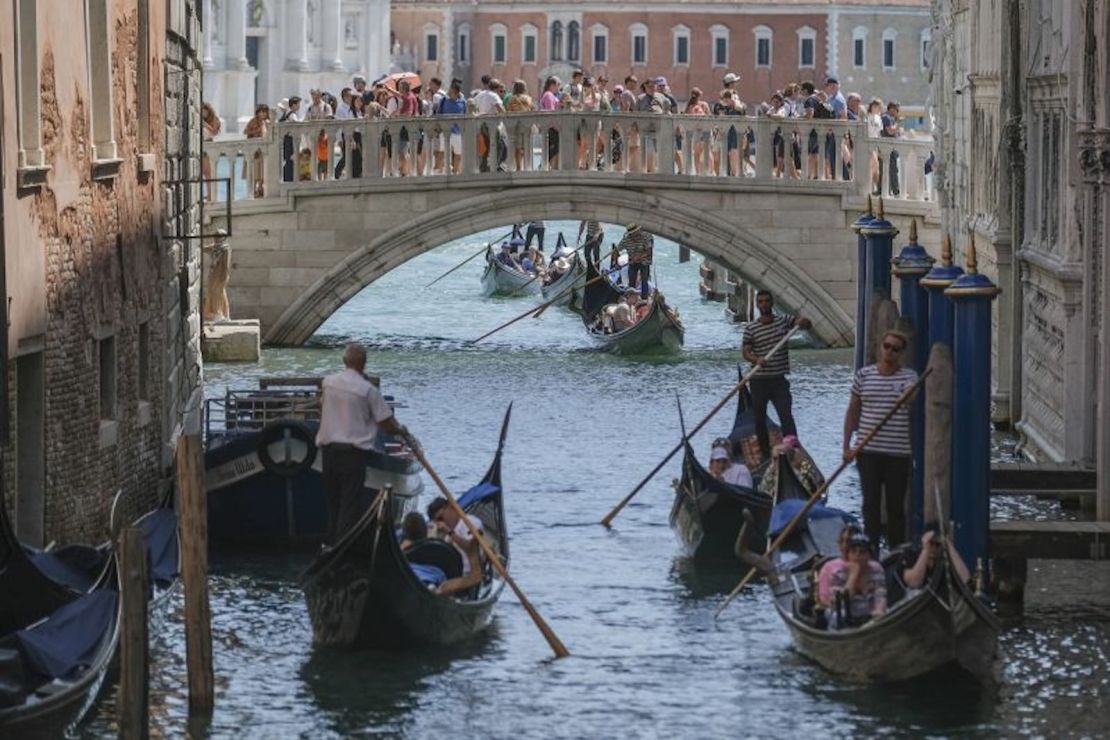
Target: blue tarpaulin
[75,567]
[477,493]
[428,573]
[69,638]
[160,535]
[787,510]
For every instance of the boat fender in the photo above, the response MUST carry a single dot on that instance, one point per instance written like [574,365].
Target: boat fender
[275,432]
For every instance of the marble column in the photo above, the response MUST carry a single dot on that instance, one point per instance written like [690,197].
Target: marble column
[332,56]
[206,34]
[296,38]
[237,35]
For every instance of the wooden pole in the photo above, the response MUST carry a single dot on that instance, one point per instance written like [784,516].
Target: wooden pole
[193,510]
[133,704]
[553,640]
[849,457]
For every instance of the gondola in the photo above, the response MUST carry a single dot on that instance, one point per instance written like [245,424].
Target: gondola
[263,472]
[365,592]
[923,630]
[162,537]
[499,279]
[59,629]
[572,299]
[659,330]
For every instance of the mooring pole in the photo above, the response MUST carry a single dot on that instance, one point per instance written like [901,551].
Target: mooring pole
[911,264]
[133,704]
[879,237]
[193,509]
[862,293]
[972,295]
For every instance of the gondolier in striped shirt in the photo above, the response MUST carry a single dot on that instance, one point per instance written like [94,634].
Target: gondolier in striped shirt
[639,244]
[769,383]
[594,237]
[352,411]
[884,465]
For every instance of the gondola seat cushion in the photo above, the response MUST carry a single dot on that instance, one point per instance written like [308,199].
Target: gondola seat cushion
[437,554]
[428,574]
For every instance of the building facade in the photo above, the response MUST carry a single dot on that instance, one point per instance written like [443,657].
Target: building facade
[1023,118]
[101,281]
[874,48]
[260,51]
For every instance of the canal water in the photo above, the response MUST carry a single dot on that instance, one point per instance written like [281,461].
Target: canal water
[648,659]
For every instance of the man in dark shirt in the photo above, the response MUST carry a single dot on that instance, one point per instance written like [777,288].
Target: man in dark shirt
[891,130]
[769,384]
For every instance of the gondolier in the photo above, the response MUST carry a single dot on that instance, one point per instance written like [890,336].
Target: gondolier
[769,383]
[594,237]
[638,243]
[352,411]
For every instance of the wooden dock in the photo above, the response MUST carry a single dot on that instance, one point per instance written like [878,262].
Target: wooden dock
[1051,540]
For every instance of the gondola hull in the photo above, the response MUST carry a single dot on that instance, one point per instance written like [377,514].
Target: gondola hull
[569,298]
[499,279]
[658,331]
[253,507]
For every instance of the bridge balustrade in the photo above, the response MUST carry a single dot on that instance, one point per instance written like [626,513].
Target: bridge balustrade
[318,155]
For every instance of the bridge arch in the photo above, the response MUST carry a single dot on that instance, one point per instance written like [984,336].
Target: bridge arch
[738,248]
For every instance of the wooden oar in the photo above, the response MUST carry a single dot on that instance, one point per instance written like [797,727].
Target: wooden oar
[480,251]
[553,640]
[720,404]
[535,311]
[789,528]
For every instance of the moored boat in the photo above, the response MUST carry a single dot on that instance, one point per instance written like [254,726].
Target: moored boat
[366,592]
[660,330]
[499,279]
[922,630]
[263,470]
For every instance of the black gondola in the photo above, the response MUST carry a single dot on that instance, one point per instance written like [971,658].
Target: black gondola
[659,330]
[59,628]
[941,624]
[365,592]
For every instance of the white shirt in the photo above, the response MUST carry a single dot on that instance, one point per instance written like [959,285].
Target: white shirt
[343,111]
[488,102]
[738,474]
[318,112]
[463,533]
[351,410]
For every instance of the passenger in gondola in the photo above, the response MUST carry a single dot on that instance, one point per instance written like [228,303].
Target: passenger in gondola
[919,562]
[414,530]
[526,263]
[858,587]
[725,469]
[506,257]
[825,576]
[623,314]
[557,269]
[453,530]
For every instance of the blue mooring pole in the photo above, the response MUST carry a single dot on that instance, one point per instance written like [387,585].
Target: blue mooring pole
[862,291]
[879,236]
[971,414]
[911,264]
[940,307]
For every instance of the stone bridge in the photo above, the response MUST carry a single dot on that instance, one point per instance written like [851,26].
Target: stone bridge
[303,246]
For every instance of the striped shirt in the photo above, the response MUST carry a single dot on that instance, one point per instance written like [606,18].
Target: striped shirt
[762,337]
[593,229]
[638,243]
[877,394]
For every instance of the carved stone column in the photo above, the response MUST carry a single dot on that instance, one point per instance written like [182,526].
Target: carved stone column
[296,39]
[332,56]
[1094,162]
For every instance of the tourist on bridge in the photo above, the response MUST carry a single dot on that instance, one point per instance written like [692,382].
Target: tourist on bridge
[769,383]
[352,410]
[638,244]
[884,465]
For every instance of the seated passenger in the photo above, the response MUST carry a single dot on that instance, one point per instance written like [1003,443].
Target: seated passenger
[824,578]
[414,530]
[924,559]
[557,270]
[526,263]
[858,587]
[422,549]
[623,314]
[506,257]
[454,530]
[723,468]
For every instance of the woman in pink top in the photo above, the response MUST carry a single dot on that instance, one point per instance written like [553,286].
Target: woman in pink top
[824,579]
[549,101]
[697,106]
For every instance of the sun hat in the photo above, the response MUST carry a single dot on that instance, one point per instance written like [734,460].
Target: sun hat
[731,77]
[719,453]
[661,81]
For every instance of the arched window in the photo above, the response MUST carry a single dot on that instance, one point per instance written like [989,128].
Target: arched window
[498,43]
[807,47]
[889,37]
[719,34]
[764,38]
[574,45]
[557,41]
[528,43]
[639,33]
[681,37]
[859,47]
[463,47]
[601,43]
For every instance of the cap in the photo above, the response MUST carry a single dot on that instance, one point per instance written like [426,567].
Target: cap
[632,227]
[505,245]
[859,539]
[618,89]
[731,77]
[661,81]
[358,78]
[719,453]
[831,81]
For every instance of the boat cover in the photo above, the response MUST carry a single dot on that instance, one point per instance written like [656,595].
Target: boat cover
[160,535]
[478,493]
[70,637]
[76,568]
[428,573]
[783,513]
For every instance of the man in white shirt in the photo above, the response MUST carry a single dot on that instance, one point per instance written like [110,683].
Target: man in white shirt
[725,470]
[352,411]
[318,110]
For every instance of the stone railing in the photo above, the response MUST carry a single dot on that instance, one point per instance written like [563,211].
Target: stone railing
[315,156]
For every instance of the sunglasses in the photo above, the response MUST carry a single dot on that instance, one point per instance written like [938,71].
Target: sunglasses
[893,347]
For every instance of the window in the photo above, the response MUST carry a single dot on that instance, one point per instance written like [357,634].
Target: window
[464,45]
[431,45]
[601,44]
[926,47]
[807,47]
[557,41]
[529,35]
[27,84]
[763,50]
[681,45]
[107,356]
[100,78]
[859,47]
[498,44]
[639,43]
[720,45]
[574,42]
[889,36]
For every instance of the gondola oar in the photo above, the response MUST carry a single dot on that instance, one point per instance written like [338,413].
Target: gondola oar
[535,311]
[789,528]
[720,404]
[480,251]
[553,640]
